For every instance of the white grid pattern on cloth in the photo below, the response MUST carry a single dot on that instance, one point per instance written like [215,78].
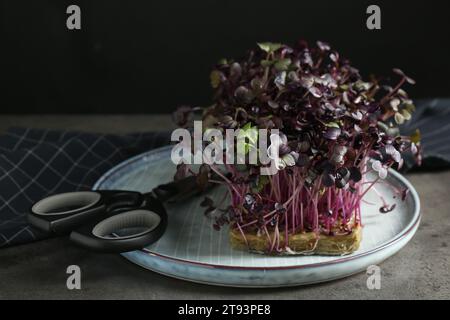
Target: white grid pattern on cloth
[35,163]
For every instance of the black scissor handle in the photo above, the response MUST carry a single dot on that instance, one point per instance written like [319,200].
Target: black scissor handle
[66,203]
[64,212]
[104,235]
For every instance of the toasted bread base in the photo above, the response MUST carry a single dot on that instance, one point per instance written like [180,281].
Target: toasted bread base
[307,243]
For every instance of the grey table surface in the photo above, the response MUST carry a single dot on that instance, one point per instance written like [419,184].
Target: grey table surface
[421,270]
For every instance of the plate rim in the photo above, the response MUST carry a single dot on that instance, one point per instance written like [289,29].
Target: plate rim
[413,224]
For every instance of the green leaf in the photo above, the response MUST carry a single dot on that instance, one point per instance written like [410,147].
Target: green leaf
[383,126]
[415,137]
[215,78]
[399,118]
[410,107]
[332,125]
[266,63]
[406,114]
[249,136]
[283,64]
[247,126]
[249,132]
[269,47]
[261,181]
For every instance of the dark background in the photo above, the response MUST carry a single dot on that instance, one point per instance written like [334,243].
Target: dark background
[150,56]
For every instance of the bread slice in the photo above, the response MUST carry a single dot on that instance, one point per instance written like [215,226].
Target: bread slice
[306,243]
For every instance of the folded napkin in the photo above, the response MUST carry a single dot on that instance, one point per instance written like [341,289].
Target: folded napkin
[35,163]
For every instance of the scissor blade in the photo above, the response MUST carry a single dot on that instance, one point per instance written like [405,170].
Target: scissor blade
[179,190]
[175,190]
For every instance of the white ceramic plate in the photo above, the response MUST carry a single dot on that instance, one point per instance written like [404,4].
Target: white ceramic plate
[192,250]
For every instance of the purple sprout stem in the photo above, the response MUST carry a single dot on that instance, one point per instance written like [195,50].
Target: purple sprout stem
[305,207]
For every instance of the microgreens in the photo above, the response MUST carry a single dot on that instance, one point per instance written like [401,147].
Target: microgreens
[336,127]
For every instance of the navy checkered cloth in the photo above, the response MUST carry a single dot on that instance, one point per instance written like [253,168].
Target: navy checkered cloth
[35,163]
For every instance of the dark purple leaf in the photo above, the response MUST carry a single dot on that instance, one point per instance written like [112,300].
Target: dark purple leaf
[342,173]
[208,210]
[355,174]
[315,92]
[323,46]
[334,56]
[203,176]
[182,115]
[404,193]
[332,133]
[402,74]
[387,208]
[249,199]
[182,172]
[328,179]
[207,202]
[243,94]
[302,160]
[273,104]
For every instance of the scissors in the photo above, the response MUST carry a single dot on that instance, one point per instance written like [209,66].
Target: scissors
[110,220]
